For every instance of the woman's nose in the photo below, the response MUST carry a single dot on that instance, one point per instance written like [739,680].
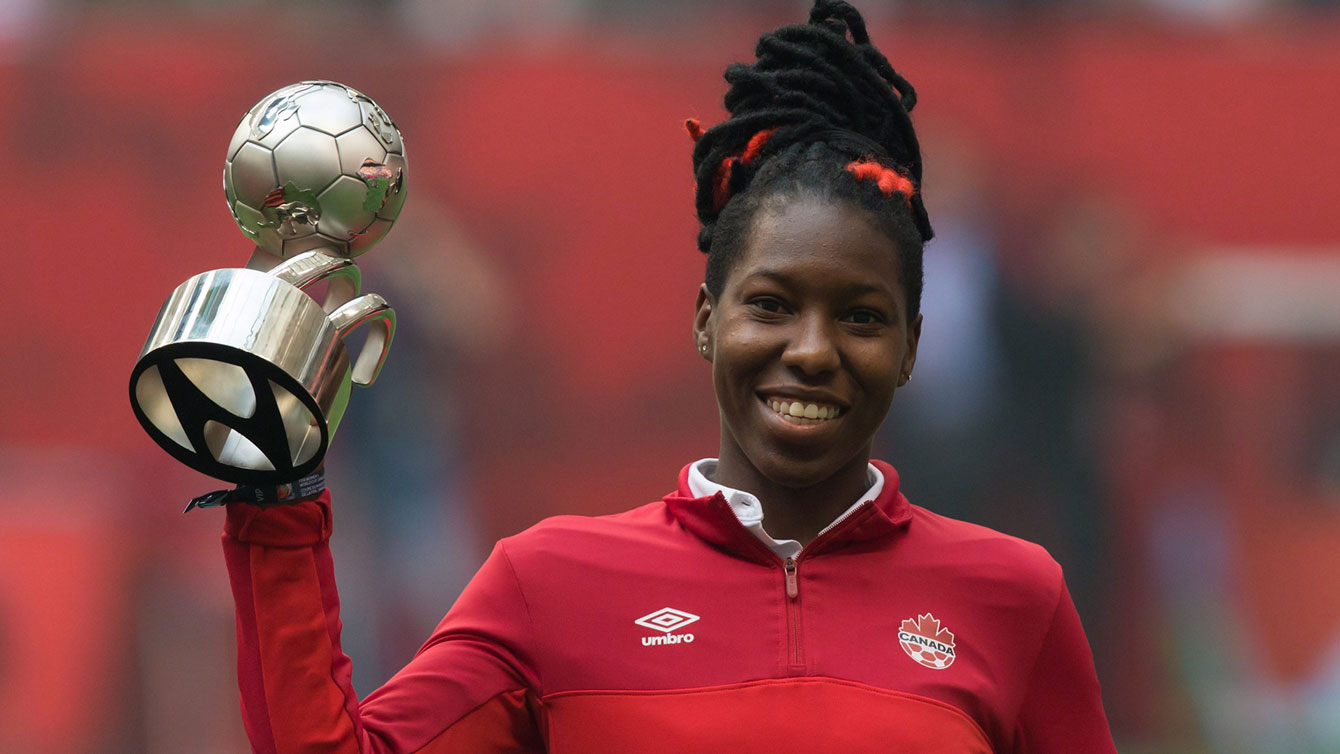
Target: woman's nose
[812,347]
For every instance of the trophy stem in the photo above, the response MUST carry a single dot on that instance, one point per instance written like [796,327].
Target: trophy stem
[263,261]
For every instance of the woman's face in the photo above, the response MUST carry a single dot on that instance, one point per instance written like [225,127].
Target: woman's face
[813,313]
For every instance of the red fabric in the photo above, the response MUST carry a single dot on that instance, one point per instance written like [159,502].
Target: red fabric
[255,711]
[759,716]
[1060,704]
[542,652]
[502,724]
[297,692]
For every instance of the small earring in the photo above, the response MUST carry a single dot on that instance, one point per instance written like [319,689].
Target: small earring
[702,348]
[907,377]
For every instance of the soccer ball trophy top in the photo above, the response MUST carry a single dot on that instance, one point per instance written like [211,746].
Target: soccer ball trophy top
[245,376]
[315,165]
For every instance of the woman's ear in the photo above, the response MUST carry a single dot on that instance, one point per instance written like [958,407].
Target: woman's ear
[910,358]
[702,322]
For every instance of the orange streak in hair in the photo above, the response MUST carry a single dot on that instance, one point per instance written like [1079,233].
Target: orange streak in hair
[890,181]
[721,192]
[695,129]
[755,144]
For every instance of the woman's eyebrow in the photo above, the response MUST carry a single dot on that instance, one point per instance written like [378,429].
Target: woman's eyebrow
[852,290]
[771,274]
[860,289]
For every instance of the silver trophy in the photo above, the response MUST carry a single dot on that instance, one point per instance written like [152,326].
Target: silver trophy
[244,375]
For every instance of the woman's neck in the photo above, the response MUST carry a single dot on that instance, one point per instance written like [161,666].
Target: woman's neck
[796,512]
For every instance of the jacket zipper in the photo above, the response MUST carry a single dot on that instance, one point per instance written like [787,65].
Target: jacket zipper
[790,567]
[795,655]
[793,612]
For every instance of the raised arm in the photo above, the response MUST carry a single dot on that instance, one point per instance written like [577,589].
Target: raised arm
[470,689]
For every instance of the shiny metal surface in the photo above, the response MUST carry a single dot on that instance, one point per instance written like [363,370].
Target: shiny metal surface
[245,377]
[305,270]
[315,164]
[308,158]
[371,310]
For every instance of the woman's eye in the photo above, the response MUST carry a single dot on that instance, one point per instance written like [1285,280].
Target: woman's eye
[864,317]
[770,305]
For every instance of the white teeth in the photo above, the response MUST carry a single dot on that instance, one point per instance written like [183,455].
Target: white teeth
[810,412]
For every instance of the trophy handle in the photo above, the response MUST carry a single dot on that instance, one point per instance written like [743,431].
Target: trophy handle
[309,268]
[364,309]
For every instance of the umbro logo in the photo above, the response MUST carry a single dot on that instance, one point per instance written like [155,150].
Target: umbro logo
[666,620]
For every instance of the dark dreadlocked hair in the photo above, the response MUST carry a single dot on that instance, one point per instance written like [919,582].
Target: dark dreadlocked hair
[820,113]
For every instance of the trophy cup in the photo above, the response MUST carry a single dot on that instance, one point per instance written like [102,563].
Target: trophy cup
[244,375]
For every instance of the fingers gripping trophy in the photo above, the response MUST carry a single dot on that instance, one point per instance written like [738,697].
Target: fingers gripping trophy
[245,375]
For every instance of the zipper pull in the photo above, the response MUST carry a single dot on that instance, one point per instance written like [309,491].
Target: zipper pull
[792,587]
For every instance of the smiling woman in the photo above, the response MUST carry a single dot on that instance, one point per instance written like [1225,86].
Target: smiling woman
[809,337]
[829,613]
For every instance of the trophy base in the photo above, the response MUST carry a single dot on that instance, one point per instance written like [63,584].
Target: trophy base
[229,414]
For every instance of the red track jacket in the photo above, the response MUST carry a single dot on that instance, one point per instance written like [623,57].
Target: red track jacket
[672,629]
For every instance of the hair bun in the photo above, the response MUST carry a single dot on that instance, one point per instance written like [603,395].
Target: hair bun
[818,82]
[841,17]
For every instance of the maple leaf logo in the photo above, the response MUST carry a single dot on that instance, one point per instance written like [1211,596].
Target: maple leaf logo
[928,626]
[927,642]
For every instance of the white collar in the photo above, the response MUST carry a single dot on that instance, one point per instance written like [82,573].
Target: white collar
[750,513]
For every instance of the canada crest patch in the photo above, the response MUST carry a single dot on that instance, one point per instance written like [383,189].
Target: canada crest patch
[927,642]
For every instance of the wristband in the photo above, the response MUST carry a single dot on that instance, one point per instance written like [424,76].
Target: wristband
[265,497]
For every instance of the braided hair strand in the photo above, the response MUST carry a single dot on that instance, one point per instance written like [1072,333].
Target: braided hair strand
[821,112]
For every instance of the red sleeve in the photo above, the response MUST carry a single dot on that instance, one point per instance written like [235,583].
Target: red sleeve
[1062,711]
[471,688]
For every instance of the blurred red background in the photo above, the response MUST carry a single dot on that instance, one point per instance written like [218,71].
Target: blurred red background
[547,252]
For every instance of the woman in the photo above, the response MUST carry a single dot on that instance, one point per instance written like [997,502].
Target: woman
[786,597]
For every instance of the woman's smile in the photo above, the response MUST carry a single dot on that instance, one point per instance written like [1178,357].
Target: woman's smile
[800,413]
[804,414]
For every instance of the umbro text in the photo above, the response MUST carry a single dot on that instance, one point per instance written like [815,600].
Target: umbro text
[651,641]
